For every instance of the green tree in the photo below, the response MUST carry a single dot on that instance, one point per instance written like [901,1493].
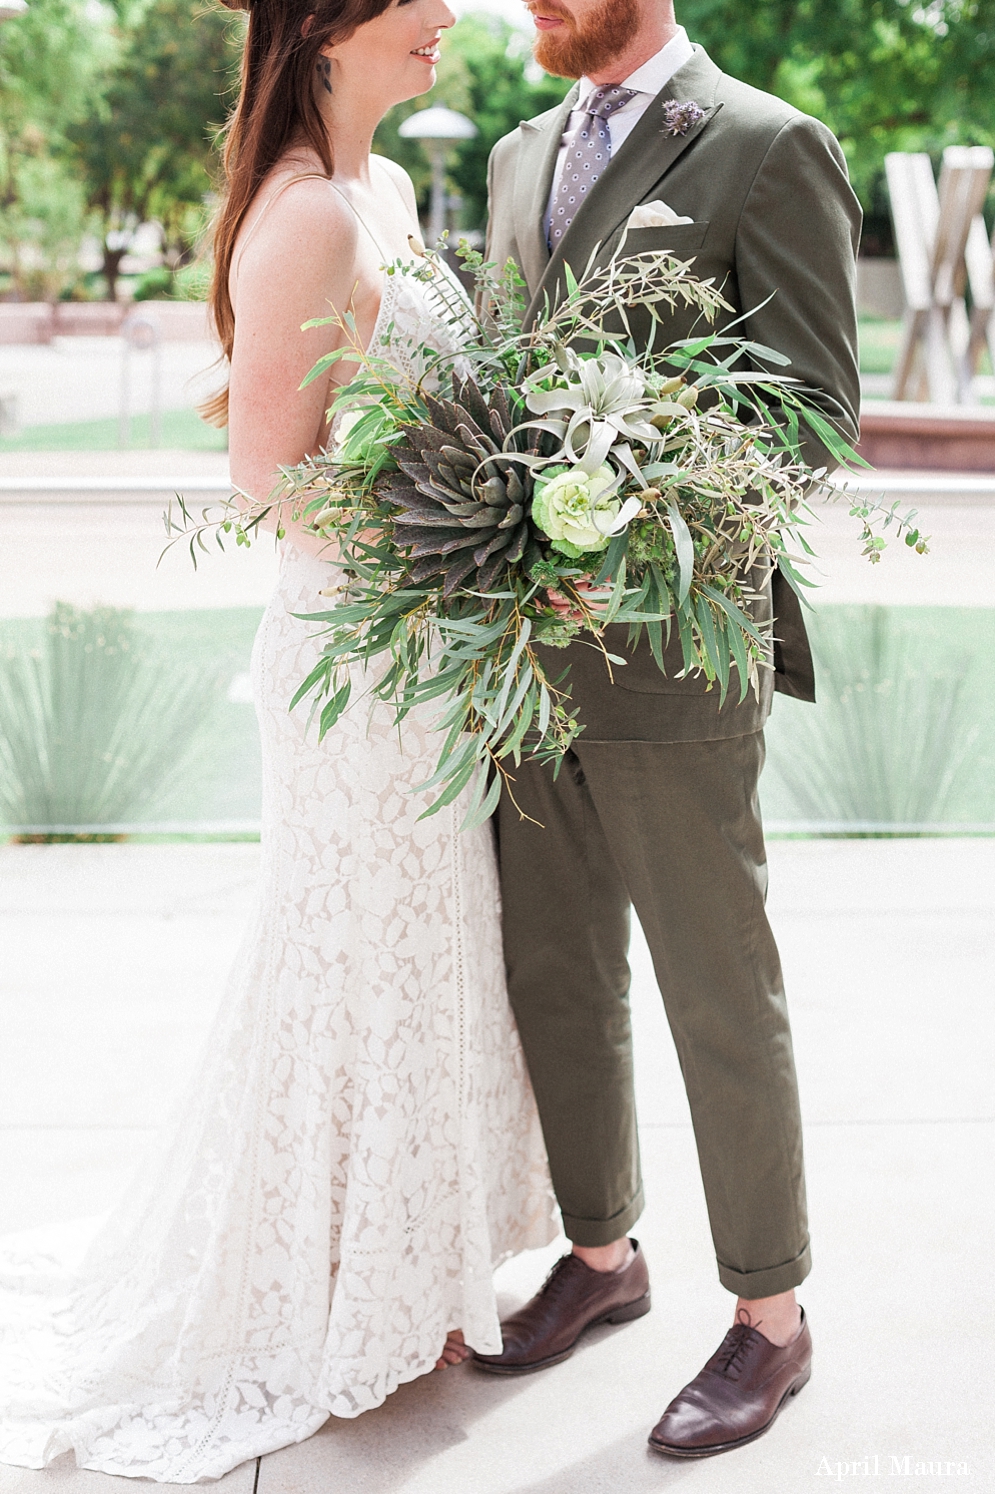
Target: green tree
[486,74]
[41,226]
[883,74]
[147,153]
[52,59]
[52,63]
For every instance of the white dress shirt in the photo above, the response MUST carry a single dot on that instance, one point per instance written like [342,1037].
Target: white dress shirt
[647,81]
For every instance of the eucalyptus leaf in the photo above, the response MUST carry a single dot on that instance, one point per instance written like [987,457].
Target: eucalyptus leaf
[684,546]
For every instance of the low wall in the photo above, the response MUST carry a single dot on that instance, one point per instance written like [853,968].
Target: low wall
[22,322]
[39,322]
[937,438]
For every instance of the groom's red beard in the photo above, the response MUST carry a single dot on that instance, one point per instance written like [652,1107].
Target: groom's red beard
[576,51]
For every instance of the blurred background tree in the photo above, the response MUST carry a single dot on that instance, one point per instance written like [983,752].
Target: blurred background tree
[146,153]
[883,74]
[53,61]
[42,224]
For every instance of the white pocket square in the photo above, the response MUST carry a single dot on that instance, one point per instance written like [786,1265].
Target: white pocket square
[654,215]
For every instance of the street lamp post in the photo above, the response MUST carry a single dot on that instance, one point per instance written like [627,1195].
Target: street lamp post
[438,130]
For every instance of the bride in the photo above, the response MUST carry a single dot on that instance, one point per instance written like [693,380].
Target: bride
[360,1146]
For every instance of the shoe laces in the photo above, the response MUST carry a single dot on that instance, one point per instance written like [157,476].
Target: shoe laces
[735,1346]
[557,1278]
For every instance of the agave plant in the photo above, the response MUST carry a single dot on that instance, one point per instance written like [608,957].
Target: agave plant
[463,501]
[92,730]
[889,741]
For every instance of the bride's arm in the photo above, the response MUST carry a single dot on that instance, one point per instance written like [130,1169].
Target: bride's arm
[299,262]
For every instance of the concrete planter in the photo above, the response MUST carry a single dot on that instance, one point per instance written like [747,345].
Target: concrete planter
[937,438]
[89,318]
[177,321]
[26,322]
[39,322]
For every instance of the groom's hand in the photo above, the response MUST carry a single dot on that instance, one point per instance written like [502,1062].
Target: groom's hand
[595,598]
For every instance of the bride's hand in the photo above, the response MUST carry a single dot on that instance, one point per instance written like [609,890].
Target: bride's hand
[456,1350]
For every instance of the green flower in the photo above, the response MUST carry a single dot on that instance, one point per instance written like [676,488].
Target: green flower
[575,509]
[556,632]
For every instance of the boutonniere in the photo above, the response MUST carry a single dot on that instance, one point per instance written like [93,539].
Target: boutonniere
[678,118]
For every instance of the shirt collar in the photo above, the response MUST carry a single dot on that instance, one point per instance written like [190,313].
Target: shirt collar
[657,71]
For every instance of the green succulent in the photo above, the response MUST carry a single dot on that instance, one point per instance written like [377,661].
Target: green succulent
[462,505]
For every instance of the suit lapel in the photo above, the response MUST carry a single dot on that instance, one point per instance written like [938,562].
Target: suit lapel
[645,158]
[533,179]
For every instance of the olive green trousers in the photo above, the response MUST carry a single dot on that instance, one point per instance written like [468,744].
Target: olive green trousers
[672,829]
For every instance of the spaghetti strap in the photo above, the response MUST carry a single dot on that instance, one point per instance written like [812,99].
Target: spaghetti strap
[359,218]
[304,176]
[300,176]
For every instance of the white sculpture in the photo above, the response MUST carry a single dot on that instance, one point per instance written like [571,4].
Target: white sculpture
[943,248]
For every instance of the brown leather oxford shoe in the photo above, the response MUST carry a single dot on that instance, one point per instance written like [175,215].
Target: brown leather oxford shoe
[736,1397]
[573,1298]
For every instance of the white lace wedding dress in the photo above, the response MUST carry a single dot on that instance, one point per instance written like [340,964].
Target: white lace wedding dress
[359,1148]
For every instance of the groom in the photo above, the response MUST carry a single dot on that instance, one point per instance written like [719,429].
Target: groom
[656,805]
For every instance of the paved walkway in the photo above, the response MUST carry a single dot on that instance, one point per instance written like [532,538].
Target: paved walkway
[79,378]
[114,960]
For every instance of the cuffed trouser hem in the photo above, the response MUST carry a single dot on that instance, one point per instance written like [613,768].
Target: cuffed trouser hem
[592,1232]
[770,1283]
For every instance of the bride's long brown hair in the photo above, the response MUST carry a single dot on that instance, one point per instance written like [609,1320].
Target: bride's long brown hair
[276,112]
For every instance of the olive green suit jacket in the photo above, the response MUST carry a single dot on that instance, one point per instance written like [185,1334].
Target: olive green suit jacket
[776,225]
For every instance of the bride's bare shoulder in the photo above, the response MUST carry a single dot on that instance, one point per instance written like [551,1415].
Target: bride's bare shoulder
[296,209]
[399,177]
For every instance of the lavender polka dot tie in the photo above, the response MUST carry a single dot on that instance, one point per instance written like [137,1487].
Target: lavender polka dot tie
[589,150]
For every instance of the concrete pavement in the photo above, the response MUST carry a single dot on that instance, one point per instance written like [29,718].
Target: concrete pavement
[115,957]
[79,378]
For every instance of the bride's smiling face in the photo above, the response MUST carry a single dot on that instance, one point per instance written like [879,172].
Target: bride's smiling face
[395,55]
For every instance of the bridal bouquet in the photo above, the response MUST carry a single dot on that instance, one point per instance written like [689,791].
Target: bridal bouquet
[529,488]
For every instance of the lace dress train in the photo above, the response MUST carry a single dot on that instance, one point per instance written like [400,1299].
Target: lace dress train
[358,1150]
